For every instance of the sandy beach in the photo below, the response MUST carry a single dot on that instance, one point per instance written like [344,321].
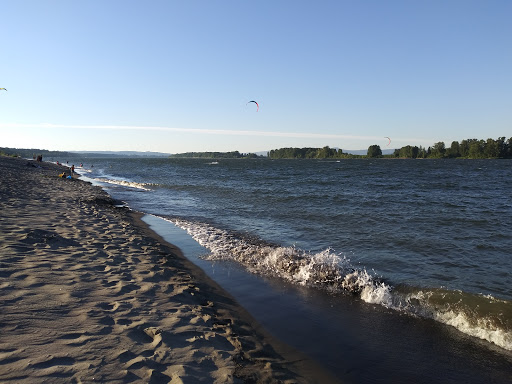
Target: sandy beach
[89,294]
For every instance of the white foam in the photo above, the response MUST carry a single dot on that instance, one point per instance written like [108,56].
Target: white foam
[426,304]
[377,294]
[82,170]
[325,268]
[124,183]
[482,329]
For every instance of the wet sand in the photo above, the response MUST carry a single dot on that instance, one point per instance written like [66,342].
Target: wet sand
[88,293]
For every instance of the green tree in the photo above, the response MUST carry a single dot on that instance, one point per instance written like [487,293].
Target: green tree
[508,149]
[491,149]
[409,152]
[502,147]
[374,151]
[454,150]
[438,150]
[464,148]
[325,153]
[476,149]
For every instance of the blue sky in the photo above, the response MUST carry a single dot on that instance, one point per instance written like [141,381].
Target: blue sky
[176,76]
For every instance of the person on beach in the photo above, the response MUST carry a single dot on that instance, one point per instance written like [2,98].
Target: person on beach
[72,169]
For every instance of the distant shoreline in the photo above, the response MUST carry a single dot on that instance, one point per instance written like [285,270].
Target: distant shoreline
[500,148]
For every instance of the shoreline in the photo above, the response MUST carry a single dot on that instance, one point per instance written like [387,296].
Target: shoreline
[90,293]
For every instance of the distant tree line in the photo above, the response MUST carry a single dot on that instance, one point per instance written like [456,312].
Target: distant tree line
[309,153]
[216,155]
[467,149]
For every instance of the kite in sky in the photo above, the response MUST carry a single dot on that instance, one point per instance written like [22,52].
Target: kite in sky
[258,107]
[3,89]
[388,139]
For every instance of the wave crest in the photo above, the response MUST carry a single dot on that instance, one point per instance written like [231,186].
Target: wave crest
[325,270]
[124,183]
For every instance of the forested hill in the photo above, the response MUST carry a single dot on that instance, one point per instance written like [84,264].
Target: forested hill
[46,154]
[32,153]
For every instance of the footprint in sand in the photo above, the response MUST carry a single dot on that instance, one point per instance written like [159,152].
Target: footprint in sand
[105,306]
[53,361]
[121,288]
[75,339]
[109,283]
[126,356]
[124,321]
[152,332]
[101,268]
[69,336]
[148,288]
[107,320]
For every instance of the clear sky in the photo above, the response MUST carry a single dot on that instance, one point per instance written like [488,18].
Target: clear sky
[176,76]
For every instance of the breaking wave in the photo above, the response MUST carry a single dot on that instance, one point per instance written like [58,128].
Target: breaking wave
[484,317]
[104,178]
[124,183]
[481,316]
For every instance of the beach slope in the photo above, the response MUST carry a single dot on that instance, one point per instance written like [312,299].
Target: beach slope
[89,294]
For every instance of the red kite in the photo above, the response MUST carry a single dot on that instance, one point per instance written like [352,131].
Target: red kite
[258,107]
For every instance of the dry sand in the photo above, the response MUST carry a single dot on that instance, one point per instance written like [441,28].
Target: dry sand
[89,294]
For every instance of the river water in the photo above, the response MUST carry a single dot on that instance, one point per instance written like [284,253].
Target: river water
[383,270]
